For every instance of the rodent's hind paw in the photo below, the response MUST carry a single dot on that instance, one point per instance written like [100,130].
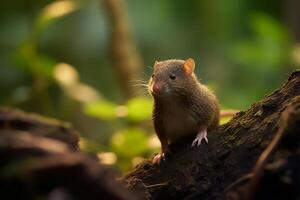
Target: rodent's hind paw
[200,136]
[158,158]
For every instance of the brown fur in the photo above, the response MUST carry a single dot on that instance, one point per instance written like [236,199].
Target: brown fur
[184,105]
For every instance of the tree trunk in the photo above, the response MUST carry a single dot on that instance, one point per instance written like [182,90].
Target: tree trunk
[125,57]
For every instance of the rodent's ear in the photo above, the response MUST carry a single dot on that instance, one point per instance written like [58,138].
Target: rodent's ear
[156,63]
[189,66]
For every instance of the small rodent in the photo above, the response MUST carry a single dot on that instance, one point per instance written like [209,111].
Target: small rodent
[182,105]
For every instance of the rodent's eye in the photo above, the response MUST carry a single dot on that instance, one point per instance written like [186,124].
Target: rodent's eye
[172,76]
[152,76]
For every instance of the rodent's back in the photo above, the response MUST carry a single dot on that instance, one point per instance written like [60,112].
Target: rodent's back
[216,119]
[206,106]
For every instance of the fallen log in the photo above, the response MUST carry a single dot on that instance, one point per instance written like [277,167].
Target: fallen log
[40,159]
[206,172]
[11,119]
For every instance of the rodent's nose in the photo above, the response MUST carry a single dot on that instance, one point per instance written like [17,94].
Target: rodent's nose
[156,88]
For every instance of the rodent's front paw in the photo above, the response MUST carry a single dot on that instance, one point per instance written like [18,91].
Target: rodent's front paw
[200,136]
[158,158]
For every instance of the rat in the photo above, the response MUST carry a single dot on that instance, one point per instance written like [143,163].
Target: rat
[182,105]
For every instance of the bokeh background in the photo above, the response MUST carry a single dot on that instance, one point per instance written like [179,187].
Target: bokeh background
[87,62]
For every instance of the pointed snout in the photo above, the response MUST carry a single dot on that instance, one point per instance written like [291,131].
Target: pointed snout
[157,88]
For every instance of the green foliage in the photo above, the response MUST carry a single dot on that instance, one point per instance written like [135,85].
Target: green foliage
[104,110]
[130,142]
[27,55]
[136,109]
[139,109]
[37,64]
[267,48]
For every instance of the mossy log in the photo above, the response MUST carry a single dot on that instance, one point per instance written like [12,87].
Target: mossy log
[214,170]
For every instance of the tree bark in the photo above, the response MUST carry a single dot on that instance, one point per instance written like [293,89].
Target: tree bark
[211,171]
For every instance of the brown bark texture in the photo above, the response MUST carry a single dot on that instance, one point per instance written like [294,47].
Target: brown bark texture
[254,156]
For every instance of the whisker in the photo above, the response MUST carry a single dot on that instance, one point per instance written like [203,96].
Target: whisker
[141,92]
[137,81]
[140,84]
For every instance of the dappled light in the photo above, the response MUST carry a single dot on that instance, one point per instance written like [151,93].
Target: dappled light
[107,158]
[58,9]
[66,75]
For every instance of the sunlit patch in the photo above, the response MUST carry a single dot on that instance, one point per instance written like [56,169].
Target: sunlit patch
[66,74]
[107,158]
[58,9]
[224,120]
[104,110]
[82,143]
[118,139]
[139,109]
[153,142]
[226,115]
[121,111]
[137,160]
[83,93]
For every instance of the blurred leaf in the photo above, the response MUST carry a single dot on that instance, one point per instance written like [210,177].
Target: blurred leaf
[130,142]
[27,58]
[66,74]
[53,11]
[139,109]
[101,109]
